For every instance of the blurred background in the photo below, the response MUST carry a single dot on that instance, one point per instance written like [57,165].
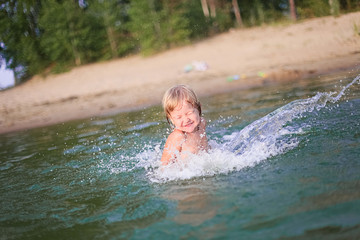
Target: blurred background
[53,36]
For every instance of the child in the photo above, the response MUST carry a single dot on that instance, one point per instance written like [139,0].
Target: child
[183,111]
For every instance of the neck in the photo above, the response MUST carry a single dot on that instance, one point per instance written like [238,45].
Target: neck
[195,130]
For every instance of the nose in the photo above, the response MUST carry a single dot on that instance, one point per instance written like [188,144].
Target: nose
[184,119]
[187,120]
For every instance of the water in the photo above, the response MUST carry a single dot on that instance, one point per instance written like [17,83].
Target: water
[284,164]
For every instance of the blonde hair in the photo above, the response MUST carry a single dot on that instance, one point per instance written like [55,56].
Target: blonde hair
[175,95]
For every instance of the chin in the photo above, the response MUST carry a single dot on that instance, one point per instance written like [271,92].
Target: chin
[190,129]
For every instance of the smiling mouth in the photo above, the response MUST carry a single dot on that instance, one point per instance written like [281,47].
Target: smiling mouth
[188,125]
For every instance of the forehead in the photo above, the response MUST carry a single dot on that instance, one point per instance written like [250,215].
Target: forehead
[183,106]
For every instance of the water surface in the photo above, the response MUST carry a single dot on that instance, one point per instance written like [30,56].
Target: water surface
[284,165]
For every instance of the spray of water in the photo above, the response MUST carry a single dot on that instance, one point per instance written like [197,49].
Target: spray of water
[266,137]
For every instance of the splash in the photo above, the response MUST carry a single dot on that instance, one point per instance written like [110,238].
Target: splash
[269,136]
[267,130]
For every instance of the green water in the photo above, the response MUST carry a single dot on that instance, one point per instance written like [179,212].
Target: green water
[292,174]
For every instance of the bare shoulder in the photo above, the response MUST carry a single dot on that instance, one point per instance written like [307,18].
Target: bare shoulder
[176,136]
[172,146]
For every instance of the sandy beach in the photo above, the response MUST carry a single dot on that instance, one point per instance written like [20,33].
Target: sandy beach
[253,57]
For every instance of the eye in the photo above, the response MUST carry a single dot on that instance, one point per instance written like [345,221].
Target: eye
[190,112]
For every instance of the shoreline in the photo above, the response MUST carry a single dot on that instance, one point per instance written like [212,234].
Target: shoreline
[258,56]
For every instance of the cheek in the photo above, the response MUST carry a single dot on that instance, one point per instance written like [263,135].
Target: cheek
[196,118]
[175,122]
[197,115]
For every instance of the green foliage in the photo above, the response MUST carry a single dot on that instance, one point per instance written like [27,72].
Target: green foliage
[112,16]
[335,8]
[349,5]
[258,12]
[144,25]
[157,25]
[223,20]
[198,25]
[313,8]
[20,37]
[175,26]
[70,36]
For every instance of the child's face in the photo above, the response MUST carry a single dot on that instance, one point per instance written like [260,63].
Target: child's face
[185,117]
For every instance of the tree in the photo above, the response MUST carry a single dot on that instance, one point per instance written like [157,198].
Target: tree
[206,4]
[292,10]
[158,24]
[205,8]
[212,8]
[112,14]
[237,13]
[70,36]
[313,8]
[197,23]
[20,37]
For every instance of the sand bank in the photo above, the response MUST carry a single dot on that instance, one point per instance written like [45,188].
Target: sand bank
[253,57]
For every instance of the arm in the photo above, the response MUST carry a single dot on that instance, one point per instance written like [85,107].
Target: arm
[172,146]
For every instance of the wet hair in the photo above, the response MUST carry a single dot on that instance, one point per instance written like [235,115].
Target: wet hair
[175,96]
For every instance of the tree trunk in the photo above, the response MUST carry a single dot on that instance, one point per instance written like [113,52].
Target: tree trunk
[292,10]
[205,8]
[212,8]
[237,13]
